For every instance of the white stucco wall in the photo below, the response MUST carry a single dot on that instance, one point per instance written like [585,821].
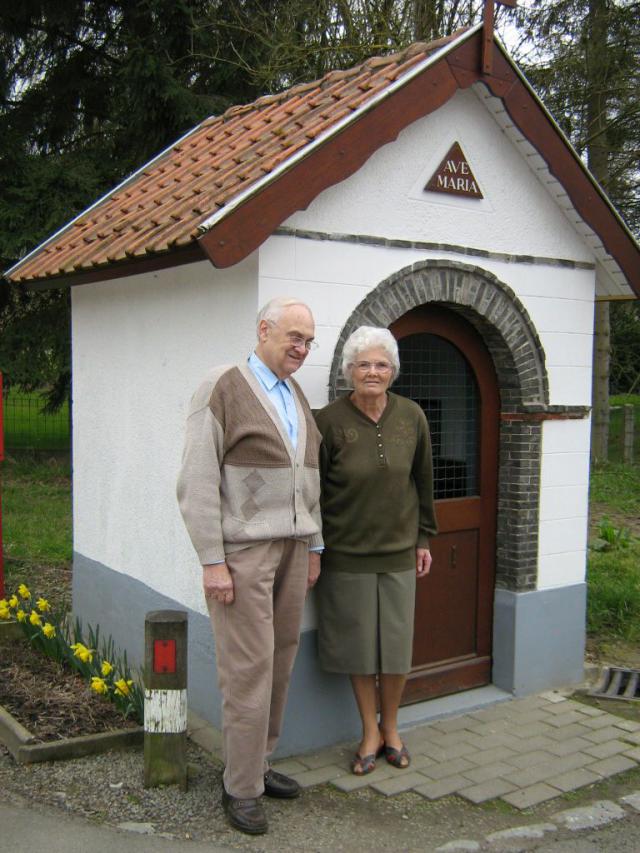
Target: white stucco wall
[140,347]
[385,199]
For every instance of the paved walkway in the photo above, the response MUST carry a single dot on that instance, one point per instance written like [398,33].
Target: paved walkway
[523,751]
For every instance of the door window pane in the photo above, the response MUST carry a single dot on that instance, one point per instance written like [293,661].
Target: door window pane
[437,376]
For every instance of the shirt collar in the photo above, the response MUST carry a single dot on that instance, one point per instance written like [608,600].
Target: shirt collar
[267,376]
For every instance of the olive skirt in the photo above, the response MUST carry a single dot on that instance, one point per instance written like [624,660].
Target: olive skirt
[365,621]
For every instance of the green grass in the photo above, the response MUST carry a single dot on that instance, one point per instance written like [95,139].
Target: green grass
[36,510]
[616,425]
[27,428]
[614,593]
[617,485]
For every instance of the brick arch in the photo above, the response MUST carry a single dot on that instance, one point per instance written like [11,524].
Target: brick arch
[506,328]
[482,299]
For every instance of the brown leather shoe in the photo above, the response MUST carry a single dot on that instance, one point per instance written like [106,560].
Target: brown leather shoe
[280,786]
[246,815]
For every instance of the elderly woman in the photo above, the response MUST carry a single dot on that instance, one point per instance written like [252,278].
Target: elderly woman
[377,509]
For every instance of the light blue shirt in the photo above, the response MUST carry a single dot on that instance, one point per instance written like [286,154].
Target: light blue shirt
[280,394]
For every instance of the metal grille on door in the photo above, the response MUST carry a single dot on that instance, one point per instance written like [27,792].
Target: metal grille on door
[437,376]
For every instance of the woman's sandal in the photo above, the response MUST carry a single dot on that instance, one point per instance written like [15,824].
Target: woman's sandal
[363,764]
[399,758]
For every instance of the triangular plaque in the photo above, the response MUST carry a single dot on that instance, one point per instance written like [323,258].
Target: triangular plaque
[454,176]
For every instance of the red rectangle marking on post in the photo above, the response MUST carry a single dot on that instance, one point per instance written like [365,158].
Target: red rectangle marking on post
[164,655]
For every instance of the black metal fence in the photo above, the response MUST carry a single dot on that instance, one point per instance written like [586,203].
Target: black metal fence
[27,427]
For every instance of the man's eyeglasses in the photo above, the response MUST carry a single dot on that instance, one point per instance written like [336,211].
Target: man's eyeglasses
[297,340]
[379,366]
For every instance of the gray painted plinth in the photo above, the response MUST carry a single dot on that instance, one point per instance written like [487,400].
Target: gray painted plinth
[320,709]
[539,638]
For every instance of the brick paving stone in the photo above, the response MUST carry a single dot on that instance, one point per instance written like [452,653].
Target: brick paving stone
[451,753]
[604,750]
[448,768]
[289,767]
[490,771]
[492,727]
[442,787]
[632,800]
[489,756]
[526,744]
[533,716]
[559,709]
[566,747]
[574,779]
[564,720]
[398,784]
[541,772]
[341,757]
[496,712]
[452,724]
[319,775]
[588,711]
[530,796]
[634,754]
[531,759]
[628,725]
[633,736]
[574,730]
[599,722]
[351,782]
[482,742]
[488,790]
[602,735]
[612,766]
[553,696]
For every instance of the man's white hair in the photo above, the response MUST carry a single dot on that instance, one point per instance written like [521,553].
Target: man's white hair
[369,337]
[274,308]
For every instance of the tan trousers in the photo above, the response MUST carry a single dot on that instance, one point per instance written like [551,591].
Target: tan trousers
[256,643]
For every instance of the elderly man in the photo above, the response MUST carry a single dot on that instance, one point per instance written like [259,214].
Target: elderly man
[249,494]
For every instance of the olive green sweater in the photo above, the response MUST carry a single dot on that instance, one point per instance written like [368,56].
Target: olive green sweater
[377,486]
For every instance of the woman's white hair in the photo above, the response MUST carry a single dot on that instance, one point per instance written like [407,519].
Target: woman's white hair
[369,337]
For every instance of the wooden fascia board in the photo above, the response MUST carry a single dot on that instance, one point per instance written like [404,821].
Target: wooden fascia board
[107,272]
[533,121]
[249,225]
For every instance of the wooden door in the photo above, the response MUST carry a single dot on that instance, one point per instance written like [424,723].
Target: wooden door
[446,368]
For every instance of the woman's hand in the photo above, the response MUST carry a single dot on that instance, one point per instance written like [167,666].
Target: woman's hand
[423,562]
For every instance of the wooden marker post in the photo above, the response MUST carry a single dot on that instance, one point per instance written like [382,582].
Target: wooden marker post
[165,699]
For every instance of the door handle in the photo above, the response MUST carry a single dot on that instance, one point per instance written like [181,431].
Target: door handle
[453,557]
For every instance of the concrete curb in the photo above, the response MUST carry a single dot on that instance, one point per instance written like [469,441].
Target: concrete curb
[10,630]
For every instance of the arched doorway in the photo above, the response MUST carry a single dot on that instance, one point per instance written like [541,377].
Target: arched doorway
[447,370]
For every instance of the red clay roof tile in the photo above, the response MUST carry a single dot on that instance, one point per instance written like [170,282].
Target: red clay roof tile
[156,208]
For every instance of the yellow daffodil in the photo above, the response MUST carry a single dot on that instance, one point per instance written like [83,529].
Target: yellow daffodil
[13,601]
[48,630]
[122,687]
[3,603]
[5,613]
[99,684]
[21,615]
[23,591]
[82,652]
[43,605]
[34,618]
[106,668]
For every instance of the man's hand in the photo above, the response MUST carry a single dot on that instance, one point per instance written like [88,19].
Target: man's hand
[217,583]
[423,562]
[314,568]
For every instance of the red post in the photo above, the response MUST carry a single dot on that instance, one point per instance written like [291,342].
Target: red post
[1,458]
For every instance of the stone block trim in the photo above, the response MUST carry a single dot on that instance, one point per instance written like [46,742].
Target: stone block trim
[499,317]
